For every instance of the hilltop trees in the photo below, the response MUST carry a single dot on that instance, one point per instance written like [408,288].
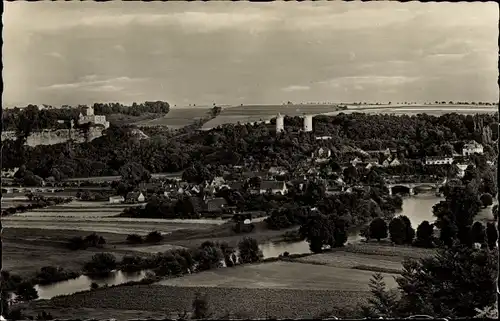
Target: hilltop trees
[434,285]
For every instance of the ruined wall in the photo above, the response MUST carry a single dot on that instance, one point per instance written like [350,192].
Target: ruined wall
[52,137]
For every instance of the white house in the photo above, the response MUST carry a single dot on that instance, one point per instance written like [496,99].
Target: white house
[323,137]
[277,170]
[461,169]
[472,148]
[438,160]
[395,162]
[276,187]
[116,199]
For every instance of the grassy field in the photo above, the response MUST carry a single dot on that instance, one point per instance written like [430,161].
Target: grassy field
[25,258]
[366,256]
[281,275]
[177,117]
[255,303]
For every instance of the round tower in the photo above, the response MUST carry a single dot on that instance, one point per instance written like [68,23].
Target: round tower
[280,123]
[308,123]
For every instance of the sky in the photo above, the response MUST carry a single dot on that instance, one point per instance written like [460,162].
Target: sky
[248,53]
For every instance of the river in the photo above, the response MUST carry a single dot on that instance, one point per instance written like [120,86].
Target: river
[418,208]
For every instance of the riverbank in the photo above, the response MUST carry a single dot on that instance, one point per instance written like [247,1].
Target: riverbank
[334,281]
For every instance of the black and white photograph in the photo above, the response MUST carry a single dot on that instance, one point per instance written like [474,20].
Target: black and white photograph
[226,160]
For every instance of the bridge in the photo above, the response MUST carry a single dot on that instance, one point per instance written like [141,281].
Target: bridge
[411,186]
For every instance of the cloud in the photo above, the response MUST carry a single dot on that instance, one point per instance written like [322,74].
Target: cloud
[119,48]
[96,83]
[296,88]
[369,80]
[54,55]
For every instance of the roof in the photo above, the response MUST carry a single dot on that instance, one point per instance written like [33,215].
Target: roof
[437,157]
[254,174]
[236,185]
[265,185]
[215,204]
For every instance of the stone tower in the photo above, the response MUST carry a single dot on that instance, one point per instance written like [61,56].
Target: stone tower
[280,123]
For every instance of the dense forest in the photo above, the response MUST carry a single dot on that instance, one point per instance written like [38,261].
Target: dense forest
[256,146]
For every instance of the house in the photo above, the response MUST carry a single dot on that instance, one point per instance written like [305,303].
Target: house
[9,173]
[395,162]
[323,137]
[217,181]
[438,160]
[275,187]
[116,199]
[278,170]
[322,153]
[355,161]
[472,148]
[135,197]
[237,185]
[461,169]
[215,205]
[385,152]
[254,174]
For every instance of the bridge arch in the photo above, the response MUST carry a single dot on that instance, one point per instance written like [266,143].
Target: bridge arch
[400,189]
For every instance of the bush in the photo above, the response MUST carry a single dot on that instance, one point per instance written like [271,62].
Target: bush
[94,286]
[486,199]
[91,240]
[134,239]
[51,274]
[154,237]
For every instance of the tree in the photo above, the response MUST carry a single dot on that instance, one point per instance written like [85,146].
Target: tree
[382,302]
[409,231]
[378,229]
[200,307]
[153,237]
[491,235]
[249,250]
[478,233]
[134,173]
[434,285]
[425,232]
[317,230]
[134,239]
[101,263]
[26,292]
[486,199]
[397,230]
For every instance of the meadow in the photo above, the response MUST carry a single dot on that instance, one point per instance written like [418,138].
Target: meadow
[281,275]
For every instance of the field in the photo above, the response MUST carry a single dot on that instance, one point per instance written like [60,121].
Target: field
[252,113]
[254,303]
[281,275]
[122,119]
[177,117]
